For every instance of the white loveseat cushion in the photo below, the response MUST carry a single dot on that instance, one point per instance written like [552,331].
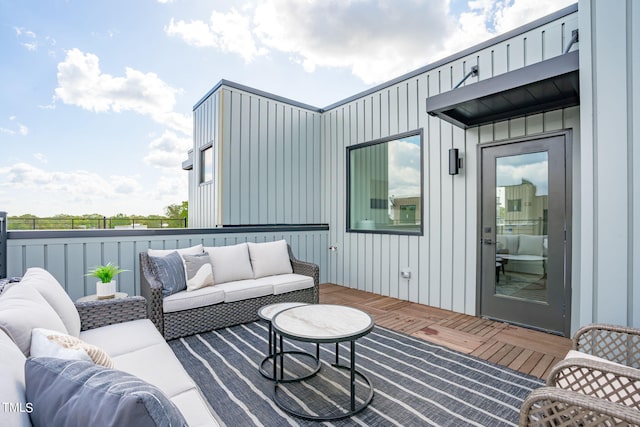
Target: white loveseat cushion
[245,289]
[22,308]
[193,250]
[284,283]
[269,258]
[186,300]
[56,296]
[121,338]
[230,263]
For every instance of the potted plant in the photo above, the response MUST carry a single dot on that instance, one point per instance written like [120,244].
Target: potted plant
[106,287]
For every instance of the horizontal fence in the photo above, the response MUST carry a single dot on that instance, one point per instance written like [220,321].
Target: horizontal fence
[93,223]
[68,255]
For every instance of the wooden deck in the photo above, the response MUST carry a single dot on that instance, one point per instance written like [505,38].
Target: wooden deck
[522,349]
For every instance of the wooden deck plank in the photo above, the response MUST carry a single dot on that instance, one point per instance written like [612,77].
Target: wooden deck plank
[521,349]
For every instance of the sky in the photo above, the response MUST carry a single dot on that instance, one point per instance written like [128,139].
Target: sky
[97,95]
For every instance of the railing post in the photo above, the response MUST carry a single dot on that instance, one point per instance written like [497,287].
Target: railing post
[3,245]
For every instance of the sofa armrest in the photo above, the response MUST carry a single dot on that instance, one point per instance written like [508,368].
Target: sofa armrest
[151,289]
[307,269]
[94,314]
[620,344]
[551,406]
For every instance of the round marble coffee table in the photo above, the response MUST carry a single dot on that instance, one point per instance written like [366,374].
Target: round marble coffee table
[266,313]
[326,323]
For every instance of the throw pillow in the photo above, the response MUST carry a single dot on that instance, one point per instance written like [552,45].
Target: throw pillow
[48,343]
[270,258]
[56,296]
[230,263]
[79,393]
[199,271]
[22,308]
[170,272]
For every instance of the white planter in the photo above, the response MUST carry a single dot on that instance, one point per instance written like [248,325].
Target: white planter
[106,290]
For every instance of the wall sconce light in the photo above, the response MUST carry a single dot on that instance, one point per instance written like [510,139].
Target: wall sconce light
[455,162]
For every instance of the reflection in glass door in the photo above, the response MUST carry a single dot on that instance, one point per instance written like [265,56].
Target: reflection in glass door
[525,213]
[522,203]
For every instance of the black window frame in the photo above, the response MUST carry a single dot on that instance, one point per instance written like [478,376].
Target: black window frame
[417,132]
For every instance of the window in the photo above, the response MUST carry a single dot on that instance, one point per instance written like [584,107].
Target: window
[384,185]
[206,164]
[514,205]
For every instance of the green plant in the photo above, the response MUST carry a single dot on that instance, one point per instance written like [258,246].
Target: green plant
[105,272]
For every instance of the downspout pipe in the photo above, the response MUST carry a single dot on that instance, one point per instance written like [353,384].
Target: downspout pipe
[574,39]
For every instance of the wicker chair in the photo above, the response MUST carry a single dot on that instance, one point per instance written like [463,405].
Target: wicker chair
[587,392]
[202,319]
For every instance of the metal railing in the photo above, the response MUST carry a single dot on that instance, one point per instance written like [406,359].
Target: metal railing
[93,223]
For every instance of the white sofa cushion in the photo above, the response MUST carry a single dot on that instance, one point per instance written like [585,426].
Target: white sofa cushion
[245,289]
[284,283]
[230,263]
[199,298]
[195,409]
[12,387]
[530,245]
[121,338]
[22,308]
[193,250]
[269,258]
[56,296]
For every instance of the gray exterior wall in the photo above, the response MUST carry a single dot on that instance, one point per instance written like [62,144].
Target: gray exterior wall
[267,165]
[609,275]
[443,260]
[68,255]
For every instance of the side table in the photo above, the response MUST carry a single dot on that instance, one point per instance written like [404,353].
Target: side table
[94,297]
[266,313]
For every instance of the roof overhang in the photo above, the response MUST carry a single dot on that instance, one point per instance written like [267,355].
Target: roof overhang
[544,86]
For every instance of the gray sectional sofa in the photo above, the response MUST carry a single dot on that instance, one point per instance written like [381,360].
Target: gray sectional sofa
[244,278]
[49,390]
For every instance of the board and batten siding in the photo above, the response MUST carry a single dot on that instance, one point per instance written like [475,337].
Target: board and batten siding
[204,199]
[267,169]
[69,258]
[610,182]
[442,262]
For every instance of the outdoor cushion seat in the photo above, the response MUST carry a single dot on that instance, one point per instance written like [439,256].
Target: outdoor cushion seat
[245,289]
[283,283]
[186,300]
[120,338]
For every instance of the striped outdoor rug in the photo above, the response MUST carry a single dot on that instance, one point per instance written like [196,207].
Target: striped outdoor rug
[416,383]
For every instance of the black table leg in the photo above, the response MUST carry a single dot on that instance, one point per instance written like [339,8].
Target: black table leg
[353,376]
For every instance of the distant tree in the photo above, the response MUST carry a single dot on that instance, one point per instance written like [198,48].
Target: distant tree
[177,211]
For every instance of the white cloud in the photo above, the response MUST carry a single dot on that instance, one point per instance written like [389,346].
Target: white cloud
[404,169]
[45,192]
[168,151]
[376,39]
[40,157]
[82,83]
[18,128]
[228,32]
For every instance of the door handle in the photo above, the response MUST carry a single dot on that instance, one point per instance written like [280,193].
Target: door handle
[487,242]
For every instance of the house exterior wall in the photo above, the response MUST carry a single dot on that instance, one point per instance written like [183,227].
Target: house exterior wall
[443,261]
[267,165]
[203,197]
[609,273]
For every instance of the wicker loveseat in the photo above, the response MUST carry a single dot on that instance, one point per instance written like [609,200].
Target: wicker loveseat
[597,384]
[238,301]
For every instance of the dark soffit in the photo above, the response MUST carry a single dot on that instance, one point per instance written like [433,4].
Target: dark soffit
[544,86]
